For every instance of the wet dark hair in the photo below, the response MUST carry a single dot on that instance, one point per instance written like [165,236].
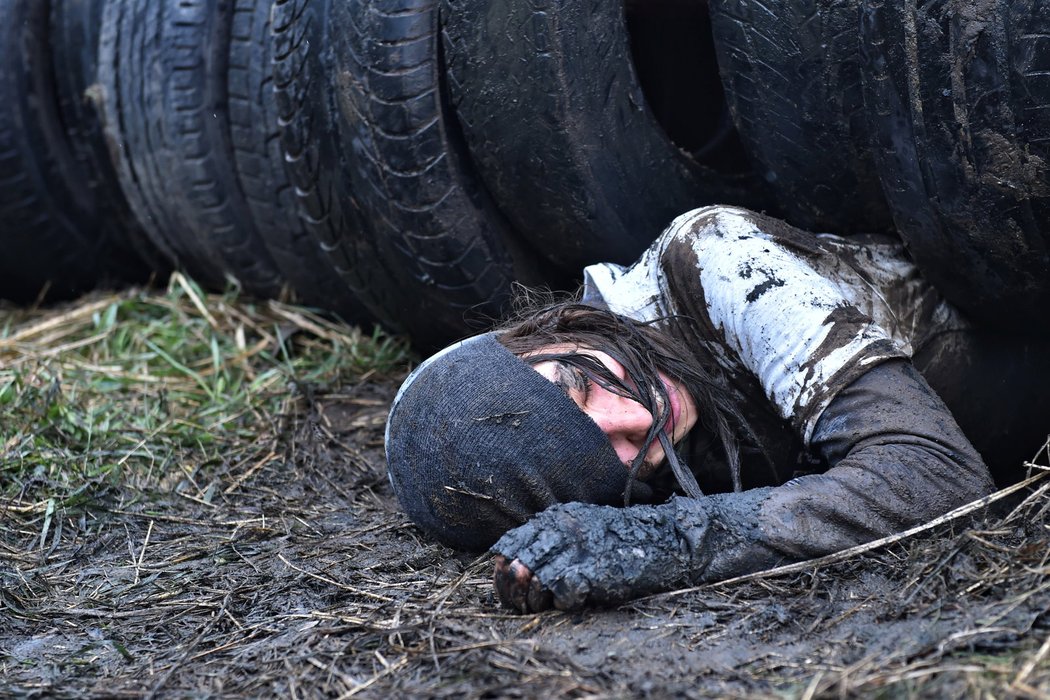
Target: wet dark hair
[643,350]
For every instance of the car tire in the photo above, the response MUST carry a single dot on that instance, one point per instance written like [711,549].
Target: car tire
[792,75]
[261,170]
[75,26]
[452,256]
[48,221]
[313,148]
[960,106]
[164,68]
[560,130]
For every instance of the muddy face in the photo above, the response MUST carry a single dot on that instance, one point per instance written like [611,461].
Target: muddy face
[625,421]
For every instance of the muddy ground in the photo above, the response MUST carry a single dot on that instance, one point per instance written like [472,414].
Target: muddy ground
[294,574]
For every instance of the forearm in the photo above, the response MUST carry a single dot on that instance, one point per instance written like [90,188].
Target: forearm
[899,459]
[602,554]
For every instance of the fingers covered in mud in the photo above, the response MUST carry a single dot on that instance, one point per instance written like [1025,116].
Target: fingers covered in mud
[517,587]
[575,554]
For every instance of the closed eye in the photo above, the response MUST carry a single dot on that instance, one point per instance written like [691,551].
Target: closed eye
[571,379]
[583,382]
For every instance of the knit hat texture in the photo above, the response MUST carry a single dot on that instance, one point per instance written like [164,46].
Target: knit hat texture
[477,442]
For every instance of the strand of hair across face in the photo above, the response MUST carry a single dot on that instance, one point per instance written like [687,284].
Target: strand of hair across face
[644,350]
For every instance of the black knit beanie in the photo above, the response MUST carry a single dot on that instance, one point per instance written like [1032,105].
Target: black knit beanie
[477,442]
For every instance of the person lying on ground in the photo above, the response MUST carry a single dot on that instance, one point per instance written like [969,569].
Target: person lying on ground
[742,397]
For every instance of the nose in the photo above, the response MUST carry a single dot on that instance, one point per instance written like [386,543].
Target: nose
[626,423]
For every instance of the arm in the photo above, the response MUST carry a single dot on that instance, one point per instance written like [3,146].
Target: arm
[898,459]
[896,456]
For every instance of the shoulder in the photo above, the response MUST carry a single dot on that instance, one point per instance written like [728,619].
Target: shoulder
[772,297]
[743,265]
[715,241]
[730,239]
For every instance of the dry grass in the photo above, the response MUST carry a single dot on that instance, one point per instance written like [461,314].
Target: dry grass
[193,503]
[140,387]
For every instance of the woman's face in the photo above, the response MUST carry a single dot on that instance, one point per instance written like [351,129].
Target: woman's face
[625,421]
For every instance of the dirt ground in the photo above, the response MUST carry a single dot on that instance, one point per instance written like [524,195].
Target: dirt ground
[294,574]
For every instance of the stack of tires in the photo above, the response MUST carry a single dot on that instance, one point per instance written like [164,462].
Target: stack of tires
[408,161]
[932,116]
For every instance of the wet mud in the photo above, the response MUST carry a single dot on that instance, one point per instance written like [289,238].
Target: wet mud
[299,577]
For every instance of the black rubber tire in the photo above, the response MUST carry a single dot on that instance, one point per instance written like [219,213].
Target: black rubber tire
[561,133]
[164,68]
[45,216]
[425,214]
[314,150]
[792,77]
[259,161]
[74,28]
[960,105]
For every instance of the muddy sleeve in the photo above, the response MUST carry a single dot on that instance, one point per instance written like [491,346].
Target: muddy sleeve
[898,459]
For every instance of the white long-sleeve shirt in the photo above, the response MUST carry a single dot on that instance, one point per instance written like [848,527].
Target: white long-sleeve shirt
[803,314]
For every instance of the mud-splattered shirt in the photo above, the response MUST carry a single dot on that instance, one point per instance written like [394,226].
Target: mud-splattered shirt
[816,332]
[803,315]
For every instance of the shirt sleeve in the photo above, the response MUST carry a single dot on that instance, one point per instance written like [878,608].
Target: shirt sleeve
[898,459]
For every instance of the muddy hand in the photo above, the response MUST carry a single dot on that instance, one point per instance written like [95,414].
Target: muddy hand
[599,555]
[517,588]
